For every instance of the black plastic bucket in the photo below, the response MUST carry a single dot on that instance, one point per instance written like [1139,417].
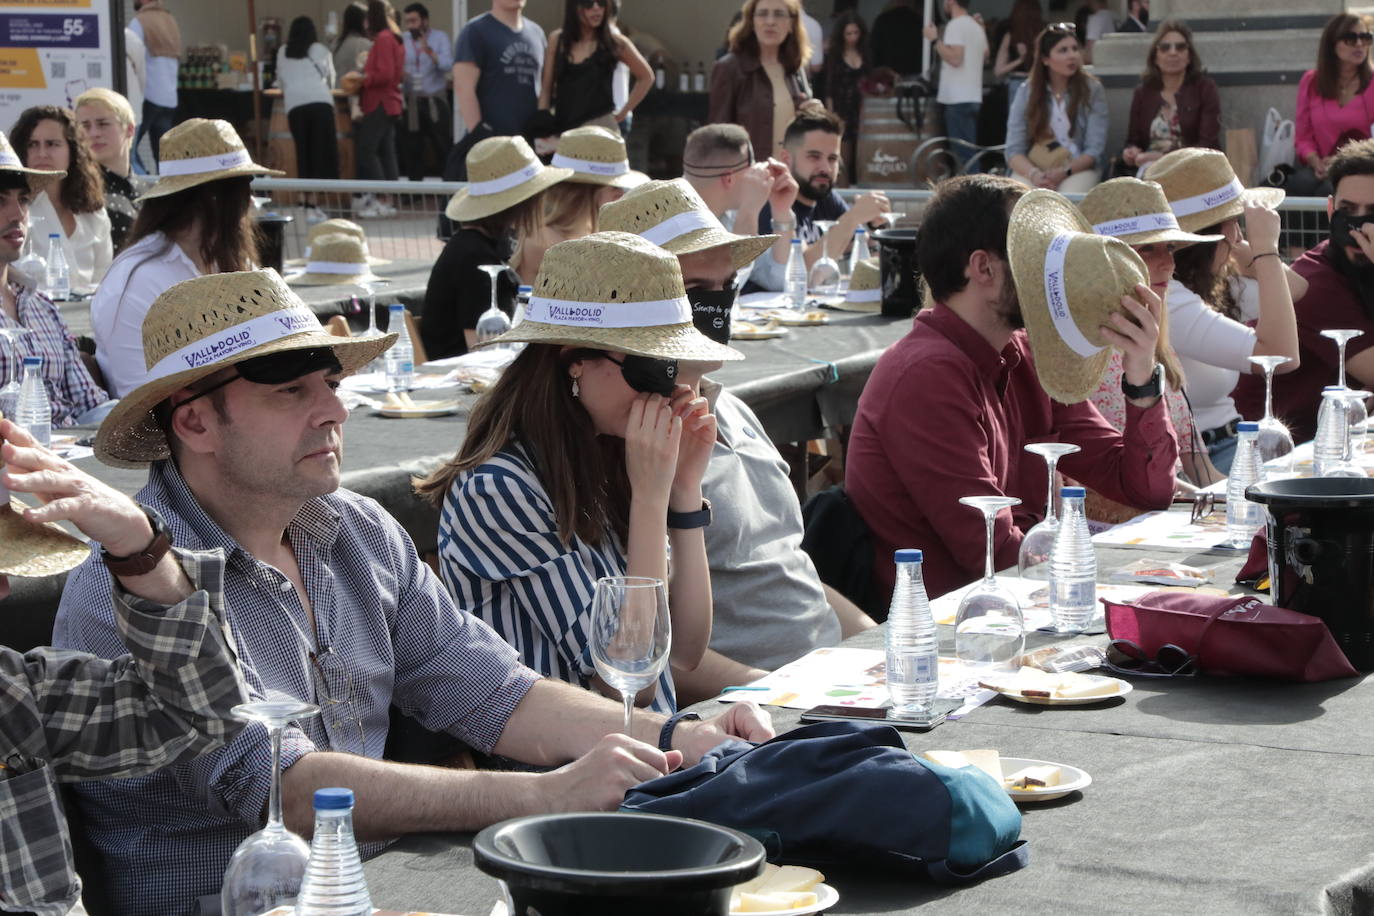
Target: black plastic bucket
[897,263]
[1321,555]
[273,229]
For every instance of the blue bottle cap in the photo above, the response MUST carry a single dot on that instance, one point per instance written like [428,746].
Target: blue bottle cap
[796,241]
[396,307]
[1072,491]
[53,235]
[908,555]
[34,361]
[1247,426]
[333,799]
[525,289]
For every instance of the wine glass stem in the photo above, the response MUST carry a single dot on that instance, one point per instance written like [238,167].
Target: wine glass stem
[371,313]
[990,519]
[1051,461]
[494,308]
[1340,362]
[274,795]
[628,698]
[1269,391]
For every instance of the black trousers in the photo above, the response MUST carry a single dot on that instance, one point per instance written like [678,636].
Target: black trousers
[432,131]
[317,148]
[374,140]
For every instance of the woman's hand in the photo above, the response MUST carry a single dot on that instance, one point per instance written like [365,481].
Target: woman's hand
[1135,332]
[694,448]
[1129,154]
[1262,230]
[652,434]
[1053,178]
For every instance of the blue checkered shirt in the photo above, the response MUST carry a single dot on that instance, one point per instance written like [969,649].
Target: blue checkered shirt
[390,632]
[65,716]
[71,390]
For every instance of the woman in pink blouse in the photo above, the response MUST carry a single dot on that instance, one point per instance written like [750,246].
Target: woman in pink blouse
[1335,102]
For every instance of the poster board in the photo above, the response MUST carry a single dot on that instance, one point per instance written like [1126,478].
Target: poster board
[51,51]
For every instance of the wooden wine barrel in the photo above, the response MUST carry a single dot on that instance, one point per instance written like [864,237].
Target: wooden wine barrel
[887,143]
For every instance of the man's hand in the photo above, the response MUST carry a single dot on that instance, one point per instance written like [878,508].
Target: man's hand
[756,184]
[742,720]
[1364,237]
[931,32]
[599,780]
[784,191]
[871,206]
[1136,333]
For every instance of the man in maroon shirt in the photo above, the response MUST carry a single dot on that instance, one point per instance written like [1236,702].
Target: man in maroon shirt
[1340,294]
[950,406]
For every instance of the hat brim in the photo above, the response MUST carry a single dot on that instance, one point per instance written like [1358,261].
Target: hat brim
[627,181]
[34,173]
[675,341]
[1038,217]
[1159,236]
[171,184]
[309,279]
[744,249]
[130,436]
[372,261]
[845,305]
[31,551]
[463,207]
[1269,198]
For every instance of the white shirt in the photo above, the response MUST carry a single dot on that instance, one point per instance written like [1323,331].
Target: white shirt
[135,71]
[1100,23]
[161,87]
[306,80]
[140,274]
[817,39]
[1212,349]
[88,249]
[964,83]
[1060,124]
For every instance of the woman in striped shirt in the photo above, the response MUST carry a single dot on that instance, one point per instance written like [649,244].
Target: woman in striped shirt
[585,460]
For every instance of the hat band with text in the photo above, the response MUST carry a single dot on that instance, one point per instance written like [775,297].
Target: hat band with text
[1130,225]
[199,165]
[609,169]
[504,182]
[1200,202]
[572,313]
[335,267]
[1057,298]
[676,226]
[222,344]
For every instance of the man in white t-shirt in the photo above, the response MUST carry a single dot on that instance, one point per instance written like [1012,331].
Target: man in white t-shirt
[962,51]
[817,39]
[1100,23]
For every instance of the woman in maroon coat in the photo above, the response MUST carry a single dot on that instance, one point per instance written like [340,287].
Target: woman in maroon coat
[374,137]
[1176,104]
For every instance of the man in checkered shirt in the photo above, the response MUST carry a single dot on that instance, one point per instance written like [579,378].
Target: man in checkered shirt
[67,716]
[330,603]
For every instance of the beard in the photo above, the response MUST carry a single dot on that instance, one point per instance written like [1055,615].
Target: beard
[813,188]
[1007,305]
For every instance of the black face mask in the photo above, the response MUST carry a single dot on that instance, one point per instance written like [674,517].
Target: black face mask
[1342,223]
[711,312]
[648,375]
[1144,16]
[1359,274]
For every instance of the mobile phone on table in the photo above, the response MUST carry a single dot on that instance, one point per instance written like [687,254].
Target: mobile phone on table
[862,714]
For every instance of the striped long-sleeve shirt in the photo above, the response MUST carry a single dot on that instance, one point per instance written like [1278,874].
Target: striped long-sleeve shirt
[71,390]
[502,558]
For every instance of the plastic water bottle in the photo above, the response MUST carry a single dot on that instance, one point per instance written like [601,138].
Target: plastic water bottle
[400,359]
[913,656]
[334,884]
[1073,566]
[796,276]
[59,277]
[1243,518]
[522,303]
[35,412]
[1333,431]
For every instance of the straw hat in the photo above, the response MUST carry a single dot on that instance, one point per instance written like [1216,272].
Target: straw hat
[1203,190]
[332,227]
[335,259]
[596,156]
[197,151]
[1069,282]
[865,288]
[614,291]
[502,171]
[29,550]
[10,162]
[1137,212]
[202,325]
[672,215]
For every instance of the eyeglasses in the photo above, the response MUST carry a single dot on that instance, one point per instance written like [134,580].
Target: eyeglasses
[1127,657]
[772,14]
[1356,38]
[1204,504]
[588,4]
[1167,46]
[337,697]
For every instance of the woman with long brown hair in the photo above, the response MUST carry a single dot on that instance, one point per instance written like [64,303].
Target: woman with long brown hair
[1057,126]
[579,64]
[847,65]
[1335,102]
[1176,103]
[1014,60]
[761,81]
[585,460]
[73,207]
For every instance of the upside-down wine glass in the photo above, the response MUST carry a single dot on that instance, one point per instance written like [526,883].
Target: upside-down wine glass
[891,217]
[1275,441]
[266,870]
[989,630]
[369,288]
[631,634]
[1033,560]
[493,322]
[1359,420]
[9,393]
[824,279]
[1357,413]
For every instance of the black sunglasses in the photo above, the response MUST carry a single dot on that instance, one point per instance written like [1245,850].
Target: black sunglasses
[1352,38]
[1167,46]
[588,4]
[1127,657]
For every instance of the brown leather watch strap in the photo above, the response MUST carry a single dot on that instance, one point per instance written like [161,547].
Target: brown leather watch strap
[146,560]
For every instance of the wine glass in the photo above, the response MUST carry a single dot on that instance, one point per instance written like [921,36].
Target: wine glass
[824,279]
[1275,441]
[1341,337]
[989,630]
[891,218]
[1033,561]
[631,634]
[369,288]
[266,870]
[493,322]
[9,393]
[858,251]
[1358,417]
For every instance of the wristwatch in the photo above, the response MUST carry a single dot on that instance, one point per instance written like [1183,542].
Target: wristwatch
[146,560]
[665,736]
[684,520]
[1151,389]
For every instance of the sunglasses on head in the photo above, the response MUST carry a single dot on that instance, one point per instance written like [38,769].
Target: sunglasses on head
[1062,28]
[1356,38]
[1167,46]
[1127,657]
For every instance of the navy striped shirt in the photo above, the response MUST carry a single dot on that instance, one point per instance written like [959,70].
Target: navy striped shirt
[501,557]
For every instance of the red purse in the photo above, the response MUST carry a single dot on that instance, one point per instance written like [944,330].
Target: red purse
[1231,635]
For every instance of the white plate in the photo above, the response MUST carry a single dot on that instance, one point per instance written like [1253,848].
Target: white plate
[421,409]
[758,334]
[826,897]
[1072,779]
[1008,688]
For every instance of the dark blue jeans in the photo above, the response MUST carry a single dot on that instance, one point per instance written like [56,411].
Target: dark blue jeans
[961,123]
[157,120]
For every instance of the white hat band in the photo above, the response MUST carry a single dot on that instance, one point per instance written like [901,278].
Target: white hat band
[1130,225]
[8,160]
[676,226]
[1057,299]
[505,182]
[335,267]
[609,314]
[202,164]
[864,295]
[225,343]
[1200,202]
[609,169]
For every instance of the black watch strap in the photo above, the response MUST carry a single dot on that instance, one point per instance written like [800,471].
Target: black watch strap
[146,560]
[1151,389]
[698,519]
[665,737]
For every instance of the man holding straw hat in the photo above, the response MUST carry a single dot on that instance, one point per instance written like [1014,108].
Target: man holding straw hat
[949,407]
[68,716]
[241,424]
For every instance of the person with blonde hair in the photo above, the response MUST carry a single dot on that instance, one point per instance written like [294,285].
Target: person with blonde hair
[762,79]
[107,122]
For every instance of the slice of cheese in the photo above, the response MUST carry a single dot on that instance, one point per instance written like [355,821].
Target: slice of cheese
[987,760]
[789,879]
[1041,776]
[754,884]
[774,903]
[1077,686]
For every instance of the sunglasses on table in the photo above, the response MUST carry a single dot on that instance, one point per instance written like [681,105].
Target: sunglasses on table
[1356,38]
[1167,46]
[1127,657]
